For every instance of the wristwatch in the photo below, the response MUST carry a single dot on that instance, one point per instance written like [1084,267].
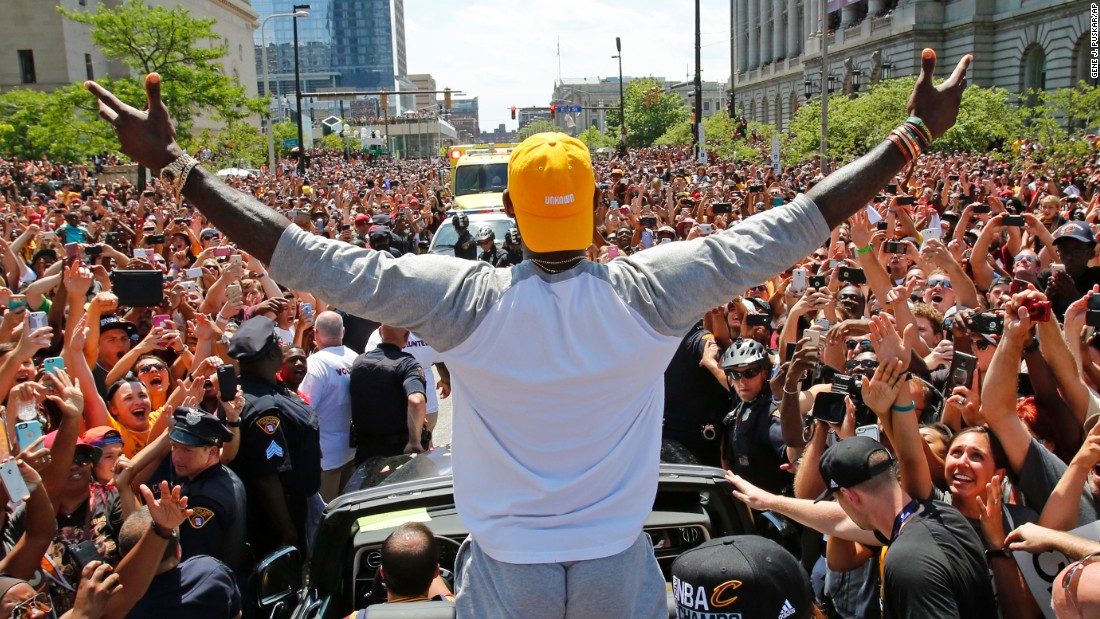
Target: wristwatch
[175,174]
[1003,553]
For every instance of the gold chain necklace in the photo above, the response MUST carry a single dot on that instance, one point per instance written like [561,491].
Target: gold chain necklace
[549,265]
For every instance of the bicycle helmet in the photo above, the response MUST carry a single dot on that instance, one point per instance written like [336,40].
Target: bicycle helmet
[512,238]
[485,234]
[744,351]
[460,220]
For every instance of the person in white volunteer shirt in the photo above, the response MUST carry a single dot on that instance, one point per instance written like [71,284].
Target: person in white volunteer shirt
[328,375]
[426,356]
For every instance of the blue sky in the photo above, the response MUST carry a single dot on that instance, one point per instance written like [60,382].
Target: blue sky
[505,51]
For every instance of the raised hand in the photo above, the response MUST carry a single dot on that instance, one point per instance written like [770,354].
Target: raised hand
[171,510]
[98,582]
[937,106]
[147,137]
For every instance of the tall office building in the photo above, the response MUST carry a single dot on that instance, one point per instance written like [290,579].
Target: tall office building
[342,45]
[1016,45]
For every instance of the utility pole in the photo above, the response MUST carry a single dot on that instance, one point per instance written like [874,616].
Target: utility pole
[824,87]
[733,59]
[622,100]
[700,146]
[298,93]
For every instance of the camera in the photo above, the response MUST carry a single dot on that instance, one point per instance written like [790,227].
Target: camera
[982,209]
[851,275]
[892,188]
[756,188]
[895,247]
[722,207]
[1014,220]
[757,320]
[987,323]
[816,281]
[1038,311]
[906,200]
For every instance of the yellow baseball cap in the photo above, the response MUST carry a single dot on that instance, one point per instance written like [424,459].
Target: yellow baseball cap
[551,185]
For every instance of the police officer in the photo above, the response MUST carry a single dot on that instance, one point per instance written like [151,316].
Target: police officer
[380,239]
[387,399]
[215,494]
[486,238]
[279,459]
[696,397]
[754,447]
[465,246]
[513,252]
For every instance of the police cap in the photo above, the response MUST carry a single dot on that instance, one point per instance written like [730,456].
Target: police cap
[254,338]
[196,428]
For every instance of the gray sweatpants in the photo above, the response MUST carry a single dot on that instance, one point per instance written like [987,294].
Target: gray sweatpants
[628,585]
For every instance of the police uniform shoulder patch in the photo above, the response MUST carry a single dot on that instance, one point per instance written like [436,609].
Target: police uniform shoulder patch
[420,370]
[268,424]
[200,517]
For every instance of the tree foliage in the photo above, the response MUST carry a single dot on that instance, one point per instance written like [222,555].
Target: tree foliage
[533,127]
[646,123]
[1058,120]
[593,138]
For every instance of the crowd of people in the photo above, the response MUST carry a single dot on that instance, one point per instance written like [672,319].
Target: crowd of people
[178,407]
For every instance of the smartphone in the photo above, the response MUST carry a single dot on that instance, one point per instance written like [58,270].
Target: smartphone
[1016,221]
[777,201]
[307,310]
[815,337]
[982,209]
[180,221]
[1054,267]
[757,320]
[189,285]
[868,430]
[27,432]
[141,254]
[892,188]
[49,235]
[952,177]
[93,250]
[194,273]
[882,225]
[37,320]
[161,320]
[788,351]
[906,200]
[722,207]
[823,323]
[236,259]
[293,213]
[1092,317]
[650,222]
[706,229]
[227,383]
[817,281]
[222,251]
[53,364]
[233,292]
[798,281]
[72,251]
[17,301]
[756,188]
[83,553]
[879,198]
[851,275]
[896,247]
[612,251]
[829,407]
[962,371]
[138,288]
[154,239]
[13,482]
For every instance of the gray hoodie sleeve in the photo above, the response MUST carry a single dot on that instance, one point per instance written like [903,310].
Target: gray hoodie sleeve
[674,285]
[437,297]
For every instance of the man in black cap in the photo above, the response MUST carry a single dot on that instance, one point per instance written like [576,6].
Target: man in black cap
[1075,245]
[279,459]
[935,563]
[465,247]
[215,494]
[380,240]
[741,576]
[115,340]
[388,404]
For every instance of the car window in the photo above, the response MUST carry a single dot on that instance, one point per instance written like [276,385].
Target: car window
[488,178]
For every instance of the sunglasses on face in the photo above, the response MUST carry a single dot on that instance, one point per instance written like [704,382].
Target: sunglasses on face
[40,602]
[853,344]
[81,458]
[749,373]
[864,364]
[1025,258]
[982,344]
[945,283]
[1069,582]
[848,296]
[145,369]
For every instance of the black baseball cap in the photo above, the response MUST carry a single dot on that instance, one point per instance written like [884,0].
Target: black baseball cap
[741,576]
[846,464]
[1075,230]
[114,322]
[196,428]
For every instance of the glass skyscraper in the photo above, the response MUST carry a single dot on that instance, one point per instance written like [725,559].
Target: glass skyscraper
[343,44]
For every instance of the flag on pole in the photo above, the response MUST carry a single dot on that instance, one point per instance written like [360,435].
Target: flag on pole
[569,122]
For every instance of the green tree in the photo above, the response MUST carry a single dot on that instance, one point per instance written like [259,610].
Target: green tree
[593,138]
[646,123]
[283,131]
[1058,119]
[533,127]
[183,49]
[332,140]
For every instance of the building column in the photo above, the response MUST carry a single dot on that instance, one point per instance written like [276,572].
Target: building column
[754,35]
[779,40]
[744,28]
[765,33]
[874,7]
[847,15]
[812,17]
[794,29]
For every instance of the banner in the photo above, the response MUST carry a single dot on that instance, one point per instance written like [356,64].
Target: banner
[1039,571]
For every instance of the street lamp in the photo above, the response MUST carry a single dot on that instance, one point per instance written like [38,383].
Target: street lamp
[267,87]
[298,92]
[622,101]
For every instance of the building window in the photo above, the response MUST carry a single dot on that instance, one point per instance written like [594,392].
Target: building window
[88,66]
[83,3]
[1035,68]
[26,66]
[706,106]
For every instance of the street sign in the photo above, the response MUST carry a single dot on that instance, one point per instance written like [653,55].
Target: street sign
[291,143]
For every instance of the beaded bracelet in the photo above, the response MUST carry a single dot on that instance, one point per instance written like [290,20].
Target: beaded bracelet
[923,128]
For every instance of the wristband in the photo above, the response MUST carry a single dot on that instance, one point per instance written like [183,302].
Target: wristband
[864,250]
[233,424]
[904,409]
[1032,347]
[171,536]
[1003,553]
[795,392]
[261,276]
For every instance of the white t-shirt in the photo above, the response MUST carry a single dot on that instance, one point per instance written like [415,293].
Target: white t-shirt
[425,356]
[328,376]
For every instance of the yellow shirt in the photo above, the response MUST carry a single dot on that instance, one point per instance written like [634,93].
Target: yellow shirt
[133,442]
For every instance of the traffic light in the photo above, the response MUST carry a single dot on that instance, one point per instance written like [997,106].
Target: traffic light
[648,92]
[553,111]
[447,99]
[385,100]
[513,112]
